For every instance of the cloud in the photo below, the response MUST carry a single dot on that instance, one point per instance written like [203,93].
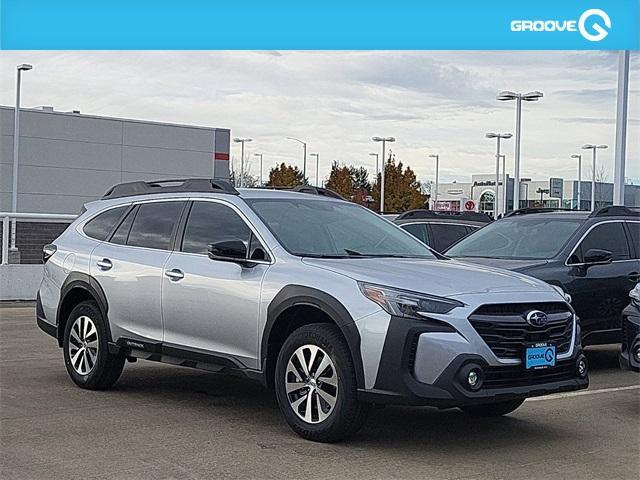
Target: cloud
[432,102]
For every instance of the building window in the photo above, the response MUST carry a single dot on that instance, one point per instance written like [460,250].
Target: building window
[487,202]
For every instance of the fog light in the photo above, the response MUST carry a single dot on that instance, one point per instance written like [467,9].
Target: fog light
[582,366]
[472,378]
[636,352]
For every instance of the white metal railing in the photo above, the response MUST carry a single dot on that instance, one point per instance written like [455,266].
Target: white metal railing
[10,237]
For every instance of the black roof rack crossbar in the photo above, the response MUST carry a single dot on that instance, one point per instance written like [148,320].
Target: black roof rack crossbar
[616,211]
[424,213]
[529,210]
[178,185]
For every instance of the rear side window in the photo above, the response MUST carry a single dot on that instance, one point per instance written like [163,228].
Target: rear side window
[634,228]
[100,226]
[211,222]
[121,234]
[154,225]
[418,230]
[444,235]
[606,236]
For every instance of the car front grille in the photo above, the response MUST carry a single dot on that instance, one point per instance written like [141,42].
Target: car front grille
[516,376]
[504,329]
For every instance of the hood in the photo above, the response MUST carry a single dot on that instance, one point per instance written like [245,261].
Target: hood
[506,263]
[436,277]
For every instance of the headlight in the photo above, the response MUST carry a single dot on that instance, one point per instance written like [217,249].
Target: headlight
[403,303]
[635,297]
[565,295]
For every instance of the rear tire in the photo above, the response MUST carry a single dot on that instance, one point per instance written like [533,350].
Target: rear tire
[86,349]
[496,409]
[315,384]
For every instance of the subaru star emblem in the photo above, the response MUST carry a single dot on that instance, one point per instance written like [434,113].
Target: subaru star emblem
[536,318]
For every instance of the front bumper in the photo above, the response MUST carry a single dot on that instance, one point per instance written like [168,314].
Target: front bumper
[425,362]
[630,340]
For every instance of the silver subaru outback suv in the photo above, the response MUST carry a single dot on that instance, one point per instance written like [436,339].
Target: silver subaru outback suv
[326,302]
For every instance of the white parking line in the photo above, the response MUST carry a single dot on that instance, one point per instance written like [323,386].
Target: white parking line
[583,392]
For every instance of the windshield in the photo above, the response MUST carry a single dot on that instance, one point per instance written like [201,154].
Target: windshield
[517,238]
[318,228]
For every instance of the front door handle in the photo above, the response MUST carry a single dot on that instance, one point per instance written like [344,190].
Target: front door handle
[634,277]
[174,274]
[104,264]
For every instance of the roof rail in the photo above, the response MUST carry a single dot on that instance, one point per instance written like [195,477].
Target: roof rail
[530,210]
[616,211]
[423,213]
[310,190]
[170,186]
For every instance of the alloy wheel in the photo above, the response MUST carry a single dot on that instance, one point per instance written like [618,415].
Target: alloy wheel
[311,383]
[83,345]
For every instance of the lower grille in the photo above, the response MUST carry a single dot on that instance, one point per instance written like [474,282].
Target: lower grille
[504,328]
[629,333]
[516,376]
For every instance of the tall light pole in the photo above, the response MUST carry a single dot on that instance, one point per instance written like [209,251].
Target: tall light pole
[304,155]
[377,166]
[434,202]
[317,155]
[23,67]
[498,137]
[519,98]
[579,157]
[259,155]
[621,128]
[593,148]
[384,141]
[242,141]
[504,185]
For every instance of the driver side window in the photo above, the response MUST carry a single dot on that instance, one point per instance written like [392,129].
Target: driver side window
[212,222]
[606,236]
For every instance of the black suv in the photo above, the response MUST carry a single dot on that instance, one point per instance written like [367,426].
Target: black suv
[440,230]
[595,257]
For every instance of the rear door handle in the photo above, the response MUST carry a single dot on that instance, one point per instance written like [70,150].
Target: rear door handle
[104,264]
[174,274]
[634,277]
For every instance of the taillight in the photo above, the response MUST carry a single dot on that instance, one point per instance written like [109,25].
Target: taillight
[48,251]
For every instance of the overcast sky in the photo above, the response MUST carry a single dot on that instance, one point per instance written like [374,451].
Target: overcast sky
[432,102]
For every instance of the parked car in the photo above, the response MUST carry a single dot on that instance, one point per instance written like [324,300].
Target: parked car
[440,230]
[630,351]
[323,300]
[595,257]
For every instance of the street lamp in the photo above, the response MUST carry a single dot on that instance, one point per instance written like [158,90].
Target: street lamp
[242,141]
[498,137]
[579,157]
[519,98]
[593,148]
[304,155]
[504,185]
[23,67]
[542,191]
[377,167]
[384,141]
[317,155]
[435,193]
[259,155]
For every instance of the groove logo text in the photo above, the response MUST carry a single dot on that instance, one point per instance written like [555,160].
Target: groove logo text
[594,25]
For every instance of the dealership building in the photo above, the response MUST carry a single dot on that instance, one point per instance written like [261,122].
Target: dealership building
[479,194]
[68,158]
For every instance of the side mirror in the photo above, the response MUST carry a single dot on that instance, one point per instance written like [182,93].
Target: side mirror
[597,256]
[228,251]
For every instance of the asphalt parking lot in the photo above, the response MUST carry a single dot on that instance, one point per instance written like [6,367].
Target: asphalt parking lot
[163,422]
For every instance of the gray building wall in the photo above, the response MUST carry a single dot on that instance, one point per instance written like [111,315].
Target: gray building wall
[67,159]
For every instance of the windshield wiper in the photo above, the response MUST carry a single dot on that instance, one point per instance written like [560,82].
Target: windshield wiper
[353,253]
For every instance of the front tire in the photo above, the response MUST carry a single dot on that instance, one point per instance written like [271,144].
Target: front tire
[86,349]
[316,386]
[496,409]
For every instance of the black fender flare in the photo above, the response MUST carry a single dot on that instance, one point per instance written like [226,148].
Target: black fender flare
[92,287]
[293,295]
